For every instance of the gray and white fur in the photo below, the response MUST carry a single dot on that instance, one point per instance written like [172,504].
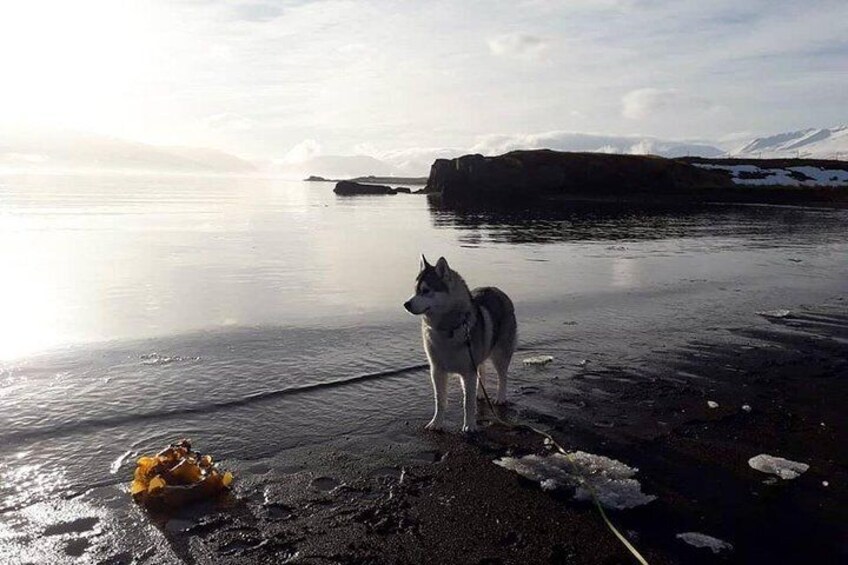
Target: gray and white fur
[451,314]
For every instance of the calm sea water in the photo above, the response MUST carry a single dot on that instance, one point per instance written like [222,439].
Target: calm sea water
[257,315]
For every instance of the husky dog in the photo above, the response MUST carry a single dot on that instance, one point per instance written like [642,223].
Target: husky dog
[462,329]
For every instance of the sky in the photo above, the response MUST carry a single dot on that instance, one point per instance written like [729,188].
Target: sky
[293,79]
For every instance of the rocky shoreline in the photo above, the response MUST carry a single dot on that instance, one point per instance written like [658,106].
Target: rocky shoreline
[450,504]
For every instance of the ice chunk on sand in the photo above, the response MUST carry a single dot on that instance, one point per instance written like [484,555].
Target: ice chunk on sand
[712,403]
[774,313]
[611,480]
[538,360]
[703,540]
[783,468]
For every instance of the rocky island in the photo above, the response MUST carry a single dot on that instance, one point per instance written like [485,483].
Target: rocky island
[371,179]
[523,176]
[353,188]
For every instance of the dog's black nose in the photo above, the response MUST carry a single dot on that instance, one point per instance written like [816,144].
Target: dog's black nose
[408,306]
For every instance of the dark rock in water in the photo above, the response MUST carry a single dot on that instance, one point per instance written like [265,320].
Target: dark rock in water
[545,173]
[371,179]
[403,190]
[351,188]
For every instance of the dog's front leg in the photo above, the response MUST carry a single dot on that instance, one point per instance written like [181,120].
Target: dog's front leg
[469,401]
[440,391]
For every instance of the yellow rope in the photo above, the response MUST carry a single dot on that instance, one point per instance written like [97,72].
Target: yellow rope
[574,465]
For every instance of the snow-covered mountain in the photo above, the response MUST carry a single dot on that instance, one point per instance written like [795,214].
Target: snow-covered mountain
[813,143]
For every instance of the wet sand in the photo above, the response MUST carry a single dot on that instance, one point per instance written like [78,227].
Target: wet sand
[448,503]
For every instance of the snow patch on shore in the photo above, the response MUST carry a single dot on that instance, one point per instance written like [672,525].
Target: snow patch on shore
[789,176]
[696,539]
[783,468]
[611,480]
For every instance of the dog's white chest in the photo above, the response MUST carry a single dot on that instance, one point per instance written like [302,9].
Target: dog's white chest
[445,351]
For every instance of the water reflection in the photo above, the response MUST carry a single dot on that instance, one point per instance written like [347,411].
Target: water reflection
[595,221]
[110,257]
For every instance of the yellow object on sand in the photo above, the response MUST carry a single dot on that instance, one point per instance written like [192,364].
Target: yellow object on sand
[176,476]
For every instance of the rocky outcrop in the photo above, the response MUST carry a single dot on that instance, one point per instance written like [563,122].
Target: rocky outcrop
[544,173]
[351,188]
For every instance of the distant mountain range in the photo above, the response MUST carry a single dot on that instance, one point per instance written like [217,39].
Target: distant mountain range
[813,143]
[63,150]
[337,166]
[74,151]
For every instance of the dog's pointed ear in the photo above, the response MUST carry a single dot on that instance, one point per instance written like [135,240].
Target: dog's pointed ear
[442,267]
[424,263]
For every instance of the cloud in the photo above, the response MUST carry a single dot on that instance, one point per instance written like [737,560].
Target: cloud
[577,141]
[641,103]
[256,11]
[229,121]
[417,160]
[303,151]
[519,46]
[257,77]
[644,103]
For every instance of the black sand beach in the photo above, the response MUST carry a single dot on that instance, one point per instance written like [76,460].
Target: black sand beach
[437,497]
[450,504]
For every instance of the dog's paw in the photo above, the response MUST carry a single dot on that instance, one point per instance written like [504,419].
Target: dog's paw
[434,426]
[469,428]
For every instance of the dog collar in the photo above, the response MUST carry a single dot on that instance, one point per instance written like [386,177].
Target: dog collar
[464,318]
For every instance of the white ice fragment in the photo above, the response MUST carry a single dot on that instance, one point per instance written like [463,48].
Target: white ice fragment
[712,403]
[538,360]
[116,464]
[746,407]
[825,484]
[782,313]
[696,539]
[612,481]
[783,468]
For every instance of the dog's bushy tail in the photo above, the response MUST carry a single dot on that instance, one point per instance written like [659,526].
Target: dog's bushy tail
[502,312]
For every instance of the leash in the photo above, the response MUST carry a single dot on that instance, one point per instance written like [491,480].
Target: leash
[568,456]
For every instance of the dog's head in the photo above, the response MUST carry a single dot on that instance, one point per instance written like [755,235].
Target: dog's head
[432,289]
